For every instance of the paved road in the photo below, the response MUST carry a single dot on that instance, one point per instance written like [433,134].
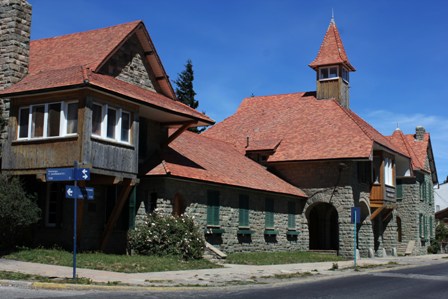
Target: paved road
[419,282]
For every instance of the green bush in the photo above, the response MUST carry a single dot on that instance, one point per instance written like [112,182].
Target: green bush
[167,235]
[18,211]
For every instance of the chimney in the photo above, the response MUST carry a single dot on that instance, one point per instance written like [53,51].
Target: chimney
[15,23]
[420,133]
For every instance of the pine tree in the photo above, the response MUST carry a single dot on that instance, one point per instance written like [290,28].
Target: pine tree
[184,90]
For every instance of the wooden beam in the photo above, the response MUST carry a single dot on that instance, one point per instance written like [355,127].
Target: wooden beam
[376,213]
[179,131]
[116,212]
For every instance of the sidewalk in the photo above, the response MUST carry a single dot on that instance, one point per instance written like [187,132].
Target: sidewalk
[229,275]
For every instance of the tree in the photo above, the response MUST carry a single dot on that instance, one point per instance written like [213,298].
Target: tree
[18,211]
[184,89]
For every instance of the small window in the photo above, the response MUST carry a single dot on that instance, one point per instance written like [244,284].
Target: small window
[345,74]
[333,72]
[291,215]
[328,72]
[244,211]
[72,118]
[213,208]
[125,126]
[324,73]
[97,118]
[24,118]
[111,122]
[399,191]
[37,120]
[269,213]
[54,119]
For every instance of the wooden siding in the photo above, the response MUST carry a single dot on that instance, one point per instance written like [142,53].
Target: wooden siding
[335,88]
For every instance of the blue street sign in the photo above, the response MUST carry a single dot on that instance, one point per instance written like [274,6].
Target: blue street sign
[79,192]
[60,174]
[82,174]
[356,217]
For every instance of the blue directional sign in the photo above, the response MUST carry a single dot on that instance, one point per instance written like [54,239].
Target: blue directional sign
[79,192]
[356,215]
[82,174]
[60,174]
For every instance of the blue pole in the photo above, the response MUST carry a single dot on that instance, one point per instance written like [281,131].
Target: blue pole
[354,239]
[75,221]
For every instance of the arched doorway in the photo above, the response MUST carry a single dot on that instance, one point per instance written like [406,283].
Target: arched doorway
[323,227]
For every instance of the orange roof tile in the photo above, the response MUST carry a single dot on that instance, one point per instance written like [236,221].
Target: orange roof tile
[197,157]
[89,48]
[309,129]
[331,50]
[78,76]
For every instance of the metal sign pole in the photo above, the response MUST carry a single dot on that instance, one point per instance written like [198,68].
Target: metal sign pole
[75,223]
[354,239]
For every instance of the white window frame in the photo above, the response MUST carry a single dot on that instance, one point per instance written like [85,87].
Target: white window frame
[389,172]
[104,123]
[62,121]
[328,69]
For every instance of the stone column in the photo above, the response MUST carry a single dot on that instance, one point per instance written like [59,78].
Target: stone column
[15,24]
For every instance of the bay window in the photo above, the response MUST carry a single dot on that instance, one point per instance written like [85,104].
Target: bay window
[48,120]
[111,123]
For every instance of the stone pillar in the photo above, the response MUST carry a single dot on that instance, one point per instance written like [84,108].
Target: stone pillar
[15,25]
[365,238]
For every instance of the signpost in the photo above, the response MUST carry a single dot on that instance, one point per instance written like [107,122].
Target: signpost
[355,219]
[74,192]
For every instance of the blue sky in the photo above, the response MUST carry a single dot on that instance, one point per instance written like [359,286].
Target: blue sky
[238,48]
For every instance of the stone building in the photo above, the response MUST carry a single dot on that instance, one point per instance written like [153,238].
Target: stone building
[315,142]
[282,173]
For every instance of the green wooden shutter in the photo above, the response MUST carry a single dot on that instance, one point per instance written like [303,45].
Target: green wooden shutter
[399,192]
[244,210]
[291,215]
[425,227]
[212,207]
[269,213]
[420,225]
[430,227]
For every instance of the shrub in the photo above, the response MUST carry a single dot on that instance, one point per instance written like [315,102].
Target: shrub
[167,235]
[18,211]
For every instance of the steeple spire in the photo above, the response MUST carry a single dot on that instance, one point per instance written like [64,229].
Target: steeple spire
[332,67]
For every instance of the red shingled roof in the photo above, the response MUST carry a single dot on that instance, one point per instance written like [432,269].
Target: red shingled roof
[89,48]
[416,149]
[196,157]
[332,50]
[309,129]
[77,76]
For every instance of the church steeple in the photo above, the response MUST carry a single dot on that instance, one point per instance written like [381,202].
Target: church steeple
[332,68]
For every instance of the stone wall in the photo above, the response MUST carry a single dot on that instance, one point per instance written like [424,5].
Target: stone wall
[194,197]
[409,211]
[129,64]
[15,24]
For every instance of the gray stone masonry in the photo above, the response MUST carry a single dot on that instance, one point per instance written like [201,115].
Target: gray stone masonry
[15,24]
[194,196]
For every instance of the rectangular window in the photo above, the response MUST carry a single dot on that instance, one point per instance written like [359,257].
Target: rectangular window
[269,213]
[54,119]
[47,120]
[244,211]
[333,72]
[24,118]
[72,118]
[37,121]
[420,225]
[111,123]
[328,72]
[212,208]
[97,119]
[430,227]
[291,215]
[389,172]
[324,73]
[125,126]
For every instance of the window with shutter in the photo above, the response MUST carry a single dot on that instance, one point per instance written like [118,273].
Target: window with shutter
[212,208]
[244,211]
[399,190]
[269,213]
[291,215]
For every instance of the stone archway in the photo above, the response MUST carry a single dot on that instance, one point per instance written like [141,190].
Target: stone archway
[323,227]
